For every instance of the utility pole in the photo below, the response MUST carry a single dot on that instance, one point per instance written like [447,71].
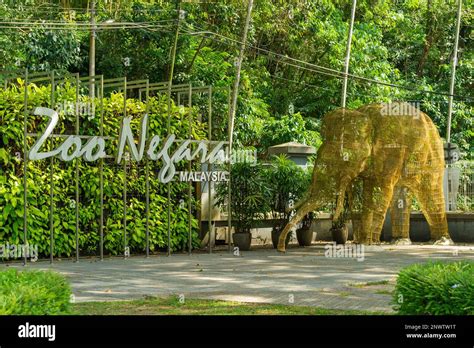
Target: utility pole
[453,72]
[233,107]
[235,90]
[92,51]
[180,15]
[348,55]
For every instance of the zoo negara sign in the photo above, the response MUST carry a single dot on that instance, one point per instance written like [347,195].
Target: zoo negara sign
[94,149]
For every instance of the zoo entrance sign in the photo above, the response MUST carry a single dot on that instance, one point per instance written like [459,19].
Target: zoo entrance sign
[94,149]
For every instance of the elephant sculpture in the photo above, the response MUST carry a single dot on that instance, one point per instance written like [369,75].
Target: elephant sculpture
[381,153]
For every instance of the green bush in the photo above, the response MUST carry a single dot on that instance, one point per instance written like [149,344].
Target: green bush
[288,184]
[33,293]
[436,288]
[64,218]
[250,195]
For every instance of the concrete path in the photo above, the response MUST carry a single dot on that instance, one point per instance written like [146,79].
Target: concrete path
[302,276]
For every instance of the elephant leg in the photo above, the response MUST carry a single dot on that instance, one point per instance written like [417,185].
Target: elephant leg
[381,201]
[366,216]
[304,209]
[431,199]
[400,215]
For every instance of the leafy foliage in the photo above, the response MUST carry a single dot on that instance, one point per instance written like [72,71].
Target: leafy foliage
[289,128]
[260,189]
[436,288]
[288,183]
[407,42]
[47,50]
[34,293]
[250,194]
[64,218]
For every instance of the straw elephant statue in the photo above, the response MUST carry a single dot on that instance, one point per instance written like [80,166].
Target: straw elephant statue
[388,151]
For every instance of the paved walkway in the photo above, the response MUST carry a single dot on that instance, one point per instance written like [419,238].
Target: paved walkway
[302,276]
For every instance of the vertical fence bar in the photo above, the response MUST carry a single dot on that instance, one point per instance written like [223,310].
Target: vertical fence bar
[51,184]
[170,83]
[77,170]
[101,171]
[229,195]
[125,176]
[147,181]
[168,186]
[25,166]
[51,212]
[209,206]
[190,183]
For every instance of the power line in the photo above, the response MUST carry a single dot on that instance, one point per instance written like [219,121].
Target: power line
[62,23]
[323,88]
[320,69]
[84,9]
[152,26]
[84,26]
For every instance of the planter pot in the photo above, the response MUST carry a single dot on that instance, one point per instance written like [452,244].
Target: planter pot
[304,236]
[242,240]
[339,235]
[276,236]
[358,235]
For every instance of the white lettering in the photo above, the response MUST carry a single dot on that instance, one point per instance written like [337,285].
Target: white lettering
[37,331]
[95,148]
[126,137]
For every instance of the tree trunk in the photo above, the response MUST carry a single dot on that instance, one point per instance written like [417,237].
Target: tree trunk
[429,39]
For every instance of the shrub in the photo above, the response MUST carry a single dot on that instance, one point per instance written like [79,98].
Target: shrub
[288,183]
[250,195]
[436,288]
[33,293]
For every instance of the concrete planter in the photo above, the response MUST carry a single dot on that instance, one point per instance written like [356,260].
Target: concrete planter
[322,226]
[339,235]
[304,236]
[242,240]
[460,226]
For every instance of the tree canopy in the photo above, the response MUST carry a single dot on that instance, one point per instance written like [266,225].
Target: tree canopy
[294,55]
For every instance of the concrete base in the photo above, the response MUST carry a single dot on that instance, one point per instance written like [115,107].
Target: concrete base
[460,227]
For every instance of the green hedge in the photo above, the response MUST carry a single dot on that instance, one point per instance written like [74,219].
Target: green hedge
[11,177]
[436,288]
[33,293]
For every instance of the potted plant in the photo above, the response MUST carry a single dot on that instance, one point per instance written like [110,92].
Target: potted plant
[339,232]
[288,183]
[304,234]
[250,197]
[339,229]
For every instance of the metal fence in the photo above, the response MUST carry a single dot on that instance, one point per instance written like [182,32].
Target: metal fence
[180,94]
[459,186]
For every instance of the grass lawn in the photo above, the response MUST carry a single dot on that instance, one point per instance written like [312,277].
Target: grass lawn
[172,306]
